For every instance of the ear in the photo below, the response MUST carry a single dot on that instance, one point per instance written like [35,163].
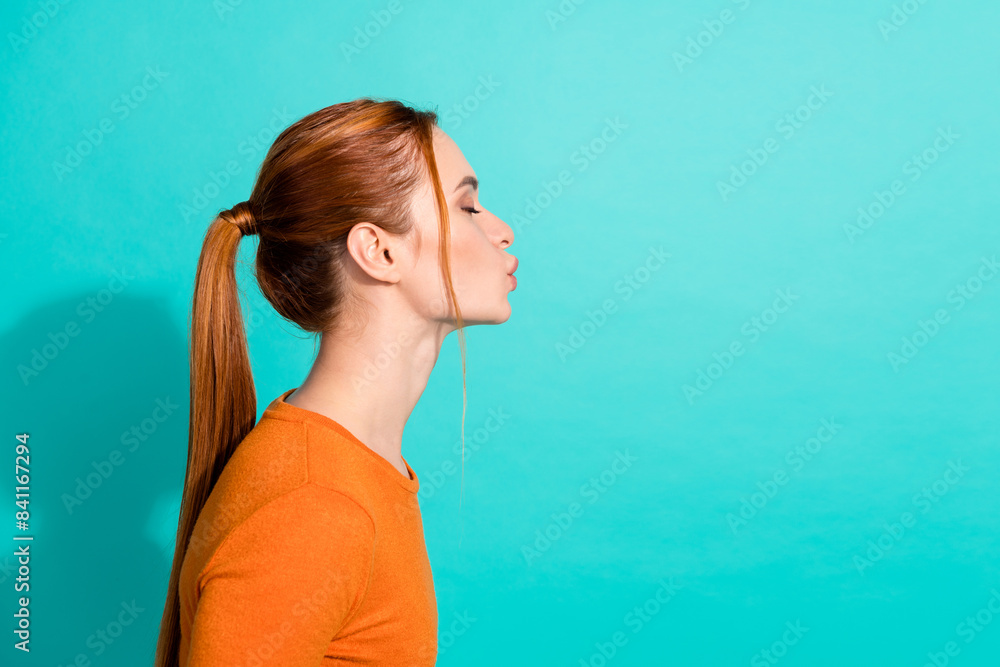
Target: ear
[375,250]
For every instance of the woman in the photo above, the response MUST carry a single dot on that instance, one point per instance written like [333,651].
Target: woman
[300,540]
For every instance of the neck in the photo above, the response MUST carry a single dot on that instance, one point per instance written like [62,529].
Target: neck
[369,381]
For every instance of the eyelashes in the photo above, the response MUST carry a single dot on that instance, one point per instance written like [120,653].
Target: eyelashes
[471,210]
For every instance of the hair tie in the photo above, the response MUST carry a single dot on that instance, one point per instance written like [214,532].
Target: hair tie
[242,215]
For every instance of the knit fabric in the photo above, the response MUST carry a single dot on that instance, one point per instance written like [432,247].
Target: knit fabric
[309,551]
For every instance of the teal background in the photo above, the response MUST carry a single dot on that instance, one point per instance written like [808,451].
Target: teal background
[669,516]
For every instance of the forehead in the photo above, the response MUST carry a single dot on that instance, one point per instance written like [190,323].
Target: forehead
[451,163]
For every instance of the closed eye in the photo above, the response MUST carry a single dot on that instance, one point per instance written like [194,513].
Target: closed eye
[471,210]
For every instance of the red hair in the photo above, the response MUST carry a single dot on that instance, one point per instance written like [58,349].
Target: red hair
[352,162]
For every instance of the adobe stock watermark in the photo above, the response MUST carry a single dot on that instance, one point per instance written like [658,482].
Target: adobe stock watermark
[461,111]
[915,167]
[786,126]
[253,319]
[967,630]
[88,310]
[627,286]
[446,639]
[432,481]
[581,158]
[713,30]
[306,607]
[8,568]
[104,637]
[389,351]
[224,520]
[901,13]
[30,25]
[131,440]
[924,501]
[228,517]
[926,330]
[121,108]
[252,146]
[796,459]
[752,329]
[561,13]
[363,35]
[636,620]
[779,647]
[591,491]
[224,7]
[291,279]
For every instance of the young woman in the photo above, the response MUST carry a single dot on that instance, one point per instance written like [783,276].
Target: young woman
[300,540]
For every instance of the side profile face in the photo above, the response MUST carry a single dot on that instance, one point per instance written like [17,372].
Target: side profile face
[481,267]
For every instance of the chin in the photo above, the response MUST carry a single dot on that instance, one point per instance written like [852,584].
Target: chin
[498,315]
[505,314]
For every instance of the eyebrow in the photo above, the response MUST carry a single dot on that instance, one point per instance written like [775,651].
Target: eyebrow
[469,180]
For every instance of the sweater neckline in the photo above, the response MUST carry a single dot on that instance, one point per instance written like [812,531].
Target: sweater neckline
[279,407]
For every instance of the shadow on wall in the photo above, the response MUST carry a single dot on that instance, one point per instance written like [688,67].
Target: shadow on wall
[100,382]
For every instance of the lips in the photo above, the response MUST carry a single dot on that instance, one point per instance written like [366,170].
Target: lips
[513,278]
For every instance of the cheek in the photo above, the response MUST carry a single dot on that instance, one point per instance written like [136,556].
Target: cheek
[474,260]
[467,250]
[483,261]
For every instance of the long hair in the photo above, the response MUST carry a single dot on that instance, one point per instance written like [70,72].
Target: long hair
[348,163]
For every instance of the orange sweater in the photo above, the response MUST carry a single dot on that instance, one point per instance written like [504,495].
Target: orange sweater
[309,551]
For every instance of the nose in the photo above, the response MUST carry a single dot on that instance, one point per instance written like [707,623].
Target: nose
[502,233]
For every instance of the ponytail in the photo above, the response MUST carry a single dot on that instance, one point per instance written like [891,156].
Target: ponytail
[223,401]
[347,163]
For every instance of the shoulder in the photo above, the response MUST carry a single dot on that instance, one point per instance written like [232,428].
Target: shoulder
[281,454]
[307,527]
[336,462]
[284,484]
[301,564]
